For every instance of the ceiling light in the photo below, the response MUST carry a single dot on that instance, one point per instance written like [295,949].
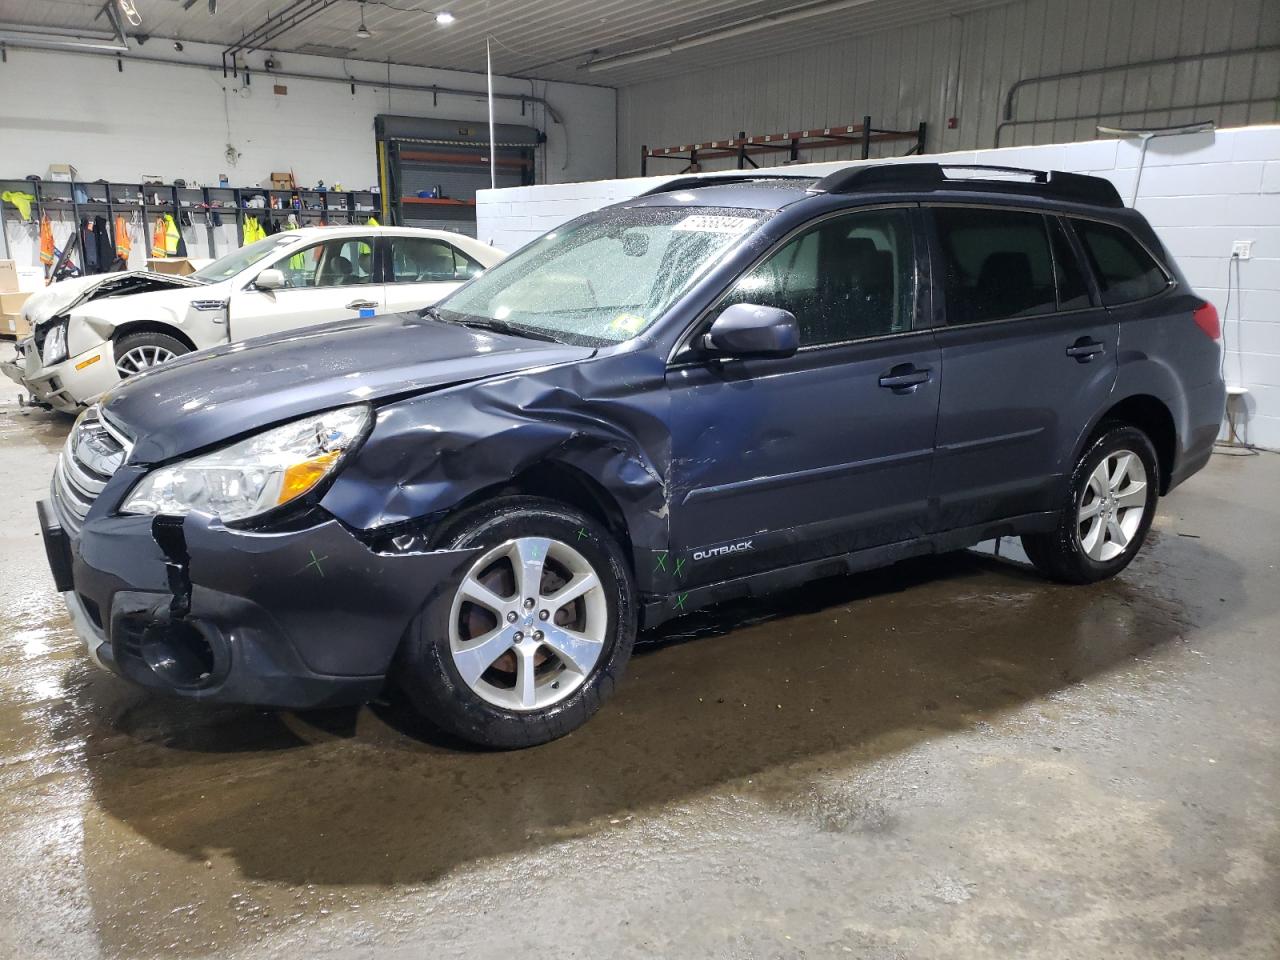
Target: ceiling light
[362,31]
[444,18]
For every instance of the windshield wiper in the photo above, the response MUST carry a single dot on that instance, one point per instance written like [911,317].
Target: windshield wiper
[486,323]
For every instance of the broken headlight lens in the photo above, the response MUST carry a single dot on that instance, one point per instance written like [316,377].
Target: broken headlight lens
[55,344]
[256,475]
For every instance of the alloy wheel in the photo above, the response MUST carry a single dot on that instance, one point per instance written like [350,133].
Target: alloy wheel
[1112,506]
[528,623]
[140,358]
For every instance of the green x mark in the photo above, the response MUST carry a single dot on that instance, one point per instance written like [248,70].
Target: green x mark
[680,599]
[582,533]
[679,565]
[662,563]
[315,562]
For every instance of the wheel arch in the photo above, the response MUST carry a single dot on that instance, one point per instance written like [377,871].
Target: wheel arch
[1149,414]
[151,326]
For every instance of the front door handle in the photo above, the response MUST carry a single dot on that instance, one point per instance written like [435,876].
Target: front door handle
[362,305]
[904,378]
[1085,349]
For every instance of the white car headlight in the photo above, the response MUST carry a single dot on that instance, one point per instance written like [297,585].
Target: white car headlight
[253,476]
[55,344]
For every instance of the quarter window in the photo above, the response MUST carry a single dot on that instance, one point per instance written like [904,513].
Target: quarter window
[848,278]
[997,264]
[1124,269]
[427,260]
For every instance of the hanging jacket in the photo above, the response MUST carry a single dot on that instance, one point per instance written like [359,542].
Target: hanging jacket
[124,246]
[372,222]
[89,248]
[47,255]
[172,236]
[105,253]
[157,238]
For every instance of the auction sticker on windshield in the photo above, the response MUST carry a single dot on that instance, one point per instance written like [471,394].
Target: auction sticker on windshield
[709,223]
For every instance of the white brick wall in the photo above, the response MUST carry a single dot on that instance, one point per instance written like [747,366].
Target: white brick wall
[1200,192]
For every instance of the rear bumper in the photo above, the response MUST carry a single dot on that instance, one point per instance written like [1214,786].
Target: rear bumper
[302,619]
[1206,407]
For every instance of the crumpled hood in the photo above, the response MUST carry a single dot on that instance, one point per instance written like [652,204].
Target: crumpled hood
[211,396]
[60,297]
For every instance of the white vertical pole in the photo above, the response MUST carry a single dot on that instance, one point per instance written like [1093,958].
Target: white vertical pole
[493,147]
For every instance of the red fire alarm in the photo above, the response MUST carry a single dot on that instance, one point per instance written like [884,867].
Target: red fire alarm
[952,123]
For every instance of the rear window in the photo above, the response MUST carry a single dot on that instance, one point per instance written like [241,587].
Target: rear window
[1124,269]
[998,263]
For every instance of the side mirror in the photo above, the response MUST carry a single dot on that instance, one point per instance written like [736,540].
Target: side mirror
[271,279]
[748,330]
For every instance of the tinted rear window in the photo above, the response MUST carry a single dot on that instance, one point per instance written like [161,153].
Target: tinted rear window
[1124,269]
[998,263]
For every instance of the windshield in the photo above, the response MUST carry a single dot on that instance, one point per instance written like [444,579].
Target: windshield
[224,268]
[603,278]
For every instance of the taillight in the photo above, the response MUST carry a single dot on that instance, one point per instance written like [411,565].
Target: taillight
[1206,318]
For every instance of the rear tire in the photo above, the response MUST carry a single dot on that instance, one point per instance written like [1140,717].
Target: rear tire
[135,352]
[483,663]
[1107,511]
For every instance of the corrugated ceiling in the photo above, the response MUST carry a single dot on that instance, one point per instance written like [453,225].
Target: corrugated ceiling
[547,39]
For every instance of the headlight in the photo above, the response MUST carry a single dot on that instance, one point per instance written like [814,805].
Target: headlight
[255,475]
[55,344]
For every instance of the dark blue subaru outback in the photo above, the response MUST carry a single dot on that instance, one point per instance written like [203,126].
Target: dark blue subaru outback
[721,387]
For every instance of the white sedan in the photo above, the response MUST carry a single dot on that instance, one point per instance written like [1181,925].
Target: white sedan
[91,332]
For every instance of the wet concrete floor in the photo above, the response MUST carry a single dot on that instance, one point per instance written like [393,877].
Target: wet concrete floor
[949,758]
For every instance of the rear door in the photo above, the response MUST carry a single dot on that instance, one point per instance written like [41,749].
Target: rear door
[334,279]
[1028,358]
[423,270]
[779,461]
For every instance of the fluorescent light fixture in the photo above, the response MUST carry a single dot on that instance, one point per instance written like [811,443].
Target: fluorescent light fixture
[750,25]
[22,36]
[444,18]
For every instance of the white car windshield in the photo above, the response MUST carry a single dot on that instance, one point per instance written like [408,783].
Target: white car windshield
[224,268]
[603,278]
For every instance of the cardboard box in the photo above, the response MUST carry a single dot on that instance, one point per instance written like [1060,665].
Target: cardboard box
[11,322]
[179,266]
[62,173]
[8,277]
[283,181]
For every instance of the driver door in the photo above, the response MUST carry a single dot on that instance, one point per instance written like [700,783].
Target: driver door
[783,460]
[330,280]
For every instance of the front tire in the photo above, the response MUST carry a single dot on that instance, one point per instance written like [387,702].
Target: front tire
[1107,512]
[524,645]
[135,352]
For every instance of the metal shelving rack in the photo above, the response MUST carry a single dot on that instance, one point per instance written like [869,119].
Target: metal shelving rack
[58,199]
[743,147]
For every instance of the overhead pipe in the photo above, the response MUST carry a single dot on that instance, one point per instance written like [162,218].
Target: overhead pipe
[292,75]
[1097,71]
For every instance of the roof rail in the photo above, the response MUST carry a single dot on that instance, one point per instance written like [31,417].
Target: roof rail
[1056,184]
[690,183]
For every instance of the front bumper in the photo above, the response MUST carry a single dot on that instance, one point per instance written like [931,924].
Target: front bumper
[68,386]
[300,619]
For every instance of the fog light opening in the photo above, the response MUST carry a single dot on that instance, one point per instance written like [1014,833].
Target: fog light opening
[178,654]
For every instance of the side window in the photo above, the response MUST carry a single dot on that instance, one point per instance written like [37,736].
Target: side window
[340,262]
[1073,291]
[427,260]
[997,263]
[1124,269]
[847,278]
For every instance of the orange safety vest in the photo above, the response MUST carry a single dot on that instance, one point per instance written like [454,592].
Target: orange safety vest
[158,234]
[47,250]
[124,246]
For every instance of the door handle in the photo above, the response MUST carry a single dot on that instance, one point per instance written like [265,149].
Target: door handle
[1085,349]
[904,378]
[362,305]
